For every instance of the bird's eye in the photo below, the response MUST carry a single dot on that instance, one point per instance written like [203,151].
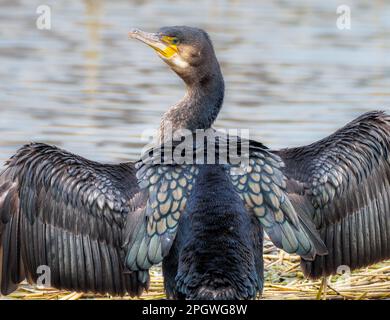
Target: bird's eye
[175,40]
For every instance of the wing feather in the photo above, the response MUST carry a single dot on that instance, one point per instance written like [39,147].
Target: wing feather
[346,185]
[263,189]
[167,188]
[69,213]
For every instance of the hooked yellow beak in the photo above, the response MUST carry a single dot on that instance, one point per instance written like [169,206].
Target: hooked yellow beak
[154,40]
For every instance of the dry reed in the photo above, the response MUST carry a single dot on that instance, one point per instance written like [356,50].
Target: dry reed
[283,281]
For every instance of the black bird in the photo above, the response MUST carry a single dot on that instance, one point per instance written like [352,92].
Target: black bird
[101,227]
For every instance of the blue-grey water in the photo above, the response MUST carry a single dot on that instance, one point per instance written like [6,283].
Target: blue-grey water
[291,75]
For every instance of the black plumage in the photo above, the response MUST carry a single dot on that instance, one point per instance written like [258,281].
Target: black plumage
[217,253]
[344,189]
[69,213]
[100,227]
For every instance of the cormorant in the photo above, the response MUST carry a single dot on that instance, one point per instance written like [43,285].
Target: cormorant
[101,227]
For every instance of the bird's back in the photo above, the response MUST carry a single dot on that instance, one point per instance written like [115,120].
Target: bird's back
[217,253]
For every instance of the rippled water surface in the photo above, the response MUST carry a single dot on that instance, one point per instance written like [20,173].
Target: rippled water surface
[291,76]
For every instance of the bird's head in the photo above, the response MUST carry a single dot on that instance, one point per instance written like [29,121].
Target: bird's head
[187,50]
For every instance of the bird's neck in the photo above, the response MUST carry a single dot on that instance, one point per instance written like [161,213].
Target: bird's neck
[198,109]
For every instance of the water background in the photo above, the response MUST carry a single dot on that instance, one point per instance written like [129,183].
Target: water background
[291,75]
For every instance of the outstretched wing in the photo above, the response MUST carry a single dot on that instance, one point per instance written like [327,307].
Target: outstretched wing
[342,185]
[263,190]
[65,212]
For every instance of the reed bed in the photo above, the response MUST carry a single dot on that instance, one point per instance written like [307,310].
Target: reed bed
[283,281]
